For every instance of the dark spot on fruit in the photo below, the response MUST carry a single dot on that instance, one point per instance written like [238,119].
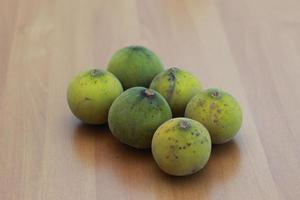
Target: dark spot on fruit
[202,141]
[176,157]
[174,70]
[196,133]
[167,157]
[189,144]
[212,105]
[136,48]
[180,147]
[87,99]
[183,147]
[172,76]
[140,49]
[215,121]
[219,110]
[201,103]
[176,141]
[172,83]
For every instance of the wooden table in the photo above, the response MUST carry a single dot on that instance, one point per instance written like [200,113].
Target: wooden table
[249,48]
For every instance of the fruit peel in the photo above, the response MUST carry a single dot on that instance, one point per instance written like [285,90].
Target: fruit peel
[177,87]
[136,114]
[91,93]
[181,146]
[135,66]
[218,111]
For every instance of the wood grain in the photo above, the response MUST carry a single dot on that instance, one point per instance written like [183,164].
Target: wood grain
[249,48]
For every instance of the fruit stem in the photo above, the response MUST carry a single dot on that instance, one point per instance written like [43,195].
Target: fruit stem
[216,94]
[95,72]
[184,124]
[149,92]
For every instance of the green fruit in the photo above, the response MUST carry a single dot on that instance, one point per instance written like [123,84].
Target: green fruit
[136,114]
[135,66]
[181,146]
[91,93]
[218,111]
[178,87]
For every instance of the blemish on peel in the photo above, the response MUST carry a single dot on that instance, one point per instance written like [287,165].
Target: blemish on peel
[212,105]
[201,103]
[172,84]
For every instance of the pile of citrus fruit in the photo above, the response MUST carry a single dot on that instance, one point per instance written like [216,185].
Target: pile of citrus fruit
[139,99]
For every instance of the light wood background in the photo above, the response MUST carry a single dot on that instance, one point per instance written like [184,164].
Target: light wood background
[249,48]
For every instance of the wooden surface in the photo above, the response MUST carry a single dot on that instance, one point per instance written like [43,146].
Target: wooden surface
[249,48]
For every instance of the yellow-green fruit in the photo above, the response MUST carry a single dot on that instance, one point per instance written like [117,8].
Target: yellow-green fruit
[135,66]
[91,93]
[181,146]
[178,87]
[218,111]
[136,114]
